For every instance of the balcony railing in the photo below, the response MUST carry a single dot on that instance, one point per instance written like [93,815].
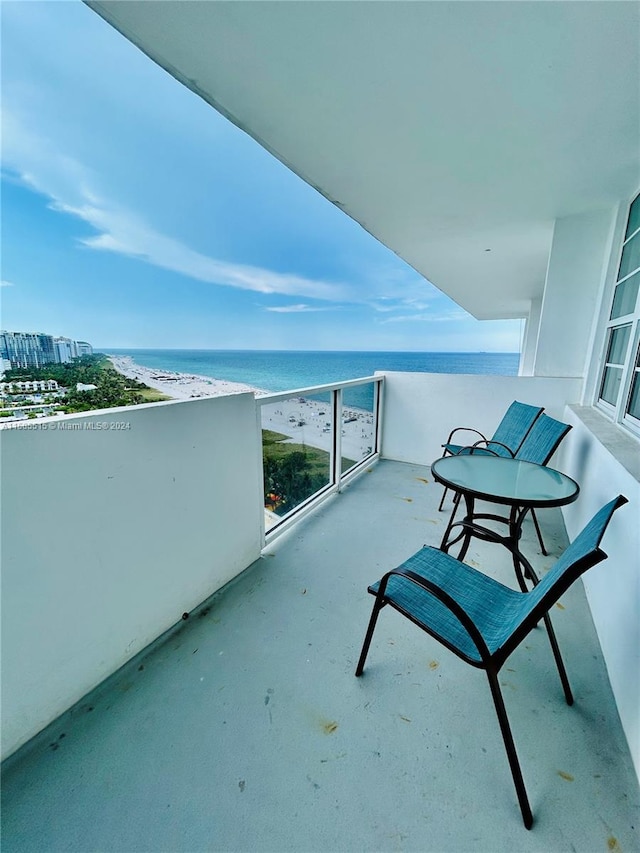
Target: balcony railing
[313,441]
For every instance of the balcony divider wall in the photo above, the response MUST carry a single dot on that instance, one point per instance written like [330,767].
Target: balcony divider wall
[114,524]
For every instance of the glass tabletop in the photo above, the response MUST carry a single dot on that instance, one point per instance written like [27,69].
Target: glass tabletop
[508,481]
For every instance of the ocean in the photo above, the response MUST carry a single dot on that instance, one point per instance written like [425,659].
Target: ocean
[277,370]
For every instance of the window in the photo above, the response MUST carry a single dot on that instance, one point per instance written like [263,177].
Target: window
[619,388]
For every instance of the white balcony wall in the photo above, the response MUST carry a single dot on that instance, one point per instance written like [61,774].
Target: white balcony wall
[421,409]
[613,588]
[109,536]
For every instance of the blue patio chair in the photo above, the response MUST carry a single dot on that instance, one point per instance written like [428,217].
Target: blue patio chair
[483,621]
[539,444]
[506,440]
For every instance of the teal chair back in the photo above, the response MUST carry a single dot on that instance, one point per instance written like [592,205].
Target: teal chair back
[542,440]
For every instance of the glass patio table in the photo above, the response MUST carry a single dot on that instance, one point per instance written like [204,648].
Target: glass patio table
[521,486]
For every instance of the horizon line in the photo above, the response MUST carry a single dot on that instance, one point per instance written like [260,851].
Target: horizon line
[104,350]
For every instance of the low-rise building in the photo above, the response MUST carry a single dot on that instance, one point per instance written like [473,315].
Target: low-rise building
[28,385]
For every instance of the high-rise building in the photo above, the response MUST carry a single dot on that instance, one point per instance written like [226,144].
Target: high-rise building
[35,349]
[27,349]
[65,350]
[62,351]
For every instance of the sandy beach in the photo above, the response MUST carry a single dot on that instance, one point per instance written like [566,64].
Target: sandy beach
[304,420]
[308,421]
[178,386]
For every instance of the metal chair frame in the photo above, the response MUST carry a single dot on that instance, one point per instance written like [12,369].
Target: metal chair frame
[492,662]
[535,414]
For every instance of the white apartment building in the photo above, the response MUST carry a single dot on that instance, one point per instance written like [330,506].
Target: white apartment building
[65,349]
[84,348]
[35,349]
[28,386]
[27,349]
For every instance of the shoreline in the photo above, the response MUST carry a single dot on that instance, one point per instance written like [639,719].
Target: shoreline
[303,420]
[178,386]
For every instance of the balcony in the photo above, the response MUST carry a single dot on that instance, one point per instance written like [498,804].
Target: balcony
[243,727]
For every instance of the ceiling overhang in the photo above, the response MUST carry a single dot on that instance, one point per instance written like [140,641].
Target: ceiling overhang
[455,132]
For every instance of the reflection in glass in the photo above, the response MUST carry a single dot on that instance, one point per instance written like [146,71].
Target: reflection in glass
[634,218]
[633,408]
[624,301]
[618,339]
[630,257]
[611,384]
[634,400]
[513,479]
[358,425]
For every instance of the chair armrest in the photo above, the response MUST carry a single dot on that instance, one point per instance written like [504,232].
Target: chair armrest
[444,598]
[485,443]
[465,429]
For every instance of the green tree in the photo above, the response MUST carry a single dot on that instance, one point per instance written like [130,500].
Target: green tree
[290,478]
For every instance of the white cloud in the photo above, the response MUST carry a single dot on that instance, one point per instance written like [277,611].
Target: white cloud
[6,284]
[295,309]
[429,317]
[413,293]
[68,186]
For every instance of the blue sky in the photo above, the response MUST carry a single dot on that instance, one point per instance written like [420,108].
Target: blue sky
[134,215]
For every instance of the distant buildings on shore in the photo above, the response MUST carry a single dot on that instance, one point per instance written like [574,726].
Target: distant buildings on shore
[29,387]
[35,349]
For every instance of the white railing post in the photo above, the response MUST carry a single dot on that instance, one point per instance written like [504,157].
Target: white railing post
[336,462]
[378,400]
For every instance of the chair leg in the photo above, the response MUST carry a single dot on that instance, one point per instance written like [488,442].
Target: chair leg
[510,747]
[555,648]
[441,504]
[444,494]
[445,544]
[377,607]
[537,526]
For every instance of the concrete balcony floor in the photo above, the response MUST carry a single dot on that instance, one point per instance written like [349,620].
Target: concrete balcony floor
[246,730]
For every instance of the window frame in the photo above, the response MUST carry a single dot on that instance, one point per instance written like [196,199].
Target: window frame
[618,412]
[633,375]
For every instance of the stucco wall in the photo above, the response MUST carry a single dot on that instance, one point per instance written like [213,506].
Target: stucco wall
[613,587]
[420,409]
[575,275]
[109,535]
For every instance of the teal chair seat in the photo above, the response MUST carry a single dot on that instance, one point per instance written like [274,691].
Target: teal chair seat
[481,620]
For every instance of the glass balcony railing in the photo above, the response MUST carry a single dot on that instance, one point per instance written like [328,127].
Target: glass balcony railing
[313,439]
[359,425]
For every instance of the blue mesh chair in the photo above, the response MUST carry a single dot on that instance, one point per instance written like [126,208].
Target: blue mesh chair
[507,439]
[483,621]
[539,445]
